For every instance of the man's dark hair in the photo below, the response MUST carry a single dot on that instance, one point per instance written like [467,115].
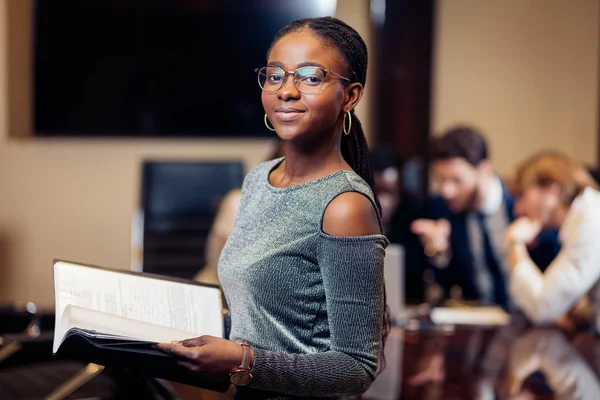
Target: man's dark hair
[461,141]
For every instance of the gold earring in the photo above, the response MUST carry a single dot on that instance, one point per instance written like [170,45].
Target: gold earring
[347,132]
[267,124]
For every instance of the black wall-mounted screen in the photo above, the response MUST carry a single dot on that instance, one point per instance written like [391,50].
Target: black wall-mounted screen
[155,68]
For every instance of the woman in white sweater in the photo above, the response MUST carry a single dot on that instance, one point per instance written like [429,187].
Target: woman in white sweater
[554,191]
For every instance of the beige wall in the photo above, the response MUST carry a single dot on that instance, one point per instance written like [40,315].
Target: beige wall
[73,199]
[524,71]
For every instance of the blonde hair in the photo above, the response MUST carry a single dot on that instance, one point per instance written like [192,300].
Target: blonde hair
[552,167]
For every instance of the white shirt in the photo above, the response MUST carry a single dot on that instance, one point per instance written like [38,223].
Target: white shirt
[575,271]
[493,200]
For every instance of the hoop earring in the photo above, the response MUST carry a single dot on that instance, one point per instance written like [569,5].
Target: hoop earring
[267,124]
[347,132]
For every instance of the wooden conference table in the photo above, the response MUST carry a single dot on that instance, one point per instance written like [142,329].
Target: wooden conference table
[468,362]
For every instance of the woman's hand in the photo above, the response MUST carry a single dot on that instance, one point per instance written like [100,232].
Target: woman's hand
[523,231]
[206,354]
[519,234]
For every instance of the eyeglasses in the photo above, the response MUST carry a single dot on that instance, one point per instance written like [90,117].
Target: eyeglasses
[306,79]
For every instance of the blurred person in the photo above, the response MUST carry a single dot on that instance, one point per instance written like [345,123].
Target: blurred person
[398,209]
[222,226]
[555,191]
[303,267]
[463,232]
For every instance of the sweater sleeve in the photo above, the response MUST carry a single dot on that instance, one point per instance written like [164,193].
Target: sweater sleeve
[352,270]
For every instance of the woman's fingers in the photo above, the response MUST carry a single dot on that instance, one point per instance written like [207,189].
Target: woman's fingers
[197,341]
[187,353]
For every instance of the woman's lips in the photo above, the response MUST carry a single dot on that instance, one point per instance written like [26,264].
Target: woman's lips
[288,114]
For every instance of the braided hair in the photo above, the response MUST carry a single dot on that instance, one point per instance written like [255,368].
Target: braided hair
[354,145]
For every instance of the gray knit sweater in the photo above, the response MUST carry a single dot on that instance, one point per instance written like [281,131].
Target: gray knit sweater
[310,304]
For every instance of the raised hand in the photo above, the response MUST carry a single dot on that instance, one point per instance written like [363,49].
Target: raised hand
[434,235]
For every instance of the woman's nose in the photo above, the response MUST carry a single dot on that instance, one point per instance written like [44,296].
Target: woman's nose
[288,90]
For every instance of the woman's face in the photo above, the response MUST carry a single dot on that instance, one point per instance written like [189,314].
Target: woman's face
[303,115]
[537,203]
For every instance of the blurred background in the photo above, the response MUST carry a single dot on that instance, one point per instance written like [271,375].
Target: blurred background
[89,90]
[127,125]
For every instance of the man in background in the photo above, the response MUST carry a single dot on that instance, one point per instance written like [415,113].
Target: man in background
[463,231]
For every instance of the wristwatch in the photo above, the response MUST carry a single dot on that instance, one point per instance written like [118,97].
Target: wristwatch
[242,376]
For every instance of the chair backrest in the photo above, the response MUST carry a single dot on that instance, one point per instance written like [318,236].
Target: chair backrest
[179,200]
[393,271]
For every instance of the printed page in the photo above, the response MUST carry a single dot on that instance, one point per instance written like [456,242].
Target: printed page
[180,306]
[108,326]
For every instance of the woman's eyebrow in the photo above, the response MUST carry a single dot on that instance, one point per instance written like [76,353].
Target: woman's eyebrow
[300,65]
[310,64]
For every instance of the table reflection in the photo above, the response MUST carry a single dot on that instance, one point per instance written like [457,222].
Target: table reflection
[388,385]
[550,353]
[510,362]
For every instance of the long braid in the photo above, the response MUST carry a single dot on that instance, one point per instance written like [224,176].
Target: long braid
[354,146]
[356,153]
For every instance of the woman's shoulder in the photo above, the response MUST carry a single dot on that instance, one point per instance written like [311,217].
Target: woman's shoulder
[583,218]
[351,214]
[354,182]
[587,203]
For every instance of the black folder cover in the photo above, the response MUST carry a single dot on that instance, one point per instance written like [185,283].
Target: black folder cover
[118,352]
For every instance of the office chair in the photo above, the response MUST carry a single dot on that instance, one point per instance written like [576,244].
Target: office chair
[179,200]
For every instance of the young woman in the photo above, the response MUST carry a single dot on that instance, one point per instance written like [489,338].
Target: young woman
[554,191]
[303,268]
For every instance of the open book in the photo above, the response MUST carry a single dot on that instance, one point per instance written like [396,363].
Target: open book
[113,318]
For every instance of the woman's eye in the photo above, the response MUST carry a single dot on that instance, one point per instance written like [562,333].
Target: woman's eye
[312,80]
[274,78]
